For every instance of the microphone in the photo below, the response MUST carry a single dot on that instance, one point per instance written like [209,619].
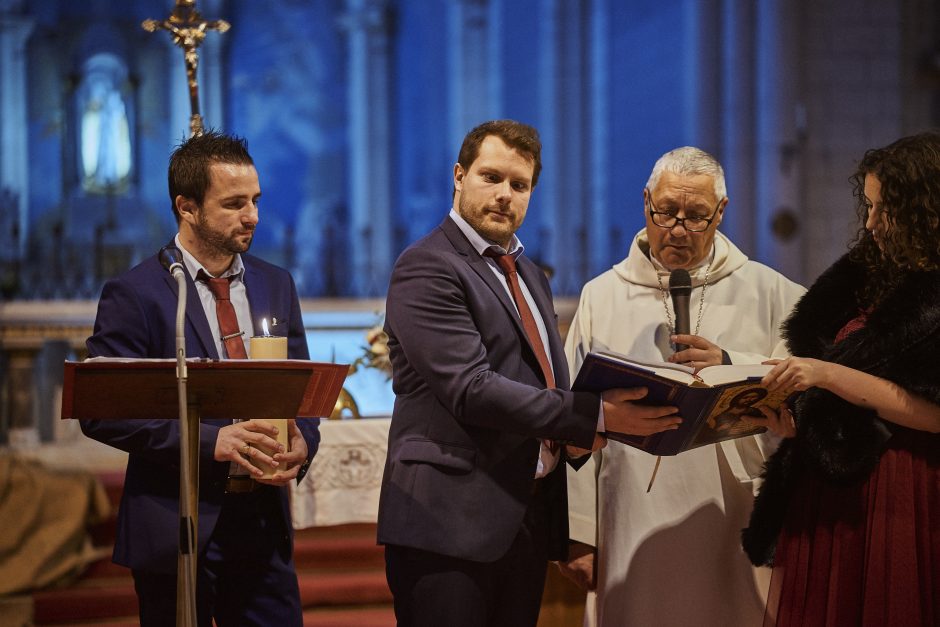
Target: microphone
[172,259]
[680,288]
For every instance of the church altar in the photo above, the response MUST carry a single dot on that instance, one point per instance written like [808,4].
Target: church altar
[342,484]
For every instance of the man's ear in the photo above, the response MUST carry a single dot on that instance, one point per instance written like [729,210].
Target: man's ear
[186,208]
[458,177]
[721,210]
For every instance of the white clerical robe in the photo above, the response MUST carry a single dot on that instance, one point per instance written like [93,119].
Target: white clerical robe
[672,557]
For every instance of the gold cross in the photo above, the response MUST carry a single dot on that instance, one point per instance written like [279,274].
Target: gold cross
[188,30]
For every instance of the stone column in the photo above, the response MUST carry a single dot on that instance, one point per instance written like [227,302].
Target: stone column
[701,123]
[472,53]
[547,196]
[738,118]
[779,202]
[600,210]
[211,61]
[14,149]
[370,225]
[564,198]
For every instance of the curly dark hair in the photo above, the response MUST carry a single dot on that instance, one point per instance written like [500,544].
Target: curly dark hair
[909,173]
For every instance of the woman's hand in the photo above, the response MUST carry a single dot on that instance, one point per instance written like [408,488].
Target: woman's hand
[780,423]
[889,400]
[798,374]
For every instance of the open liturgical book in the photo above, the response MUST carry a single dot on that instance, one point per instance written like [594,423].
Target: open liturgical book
[715,403]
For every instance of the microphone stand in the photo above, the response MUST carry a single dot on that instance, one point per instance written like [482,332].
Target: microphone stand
[189,460]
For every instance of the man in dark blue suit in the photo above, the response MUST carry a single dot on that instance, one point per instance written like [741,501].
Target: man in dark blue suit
[474,501]
[245,566]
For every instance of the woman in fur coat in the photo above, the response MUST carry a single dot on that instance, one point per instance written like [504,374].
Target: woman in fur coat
[849,512]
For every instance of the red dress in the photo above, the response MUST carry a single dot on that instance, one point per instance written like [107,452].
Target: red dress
[866,554]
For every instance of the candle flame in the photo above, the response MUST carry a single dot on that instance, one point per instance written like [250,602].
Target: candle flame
[264,326]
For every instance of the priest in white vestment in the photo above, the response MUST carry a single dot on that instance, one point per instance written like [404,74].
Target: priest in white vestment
[672,556]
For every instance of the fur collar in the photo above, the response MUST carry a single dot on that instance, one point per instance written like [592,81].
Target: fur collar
[908,317]
[837,441]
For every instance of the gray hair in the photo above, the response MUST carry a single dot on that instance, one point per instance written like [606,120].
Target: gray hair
[689,161]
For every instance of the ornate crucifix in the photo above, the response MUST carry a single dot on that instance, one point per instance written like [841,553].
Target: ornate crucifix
[188,30]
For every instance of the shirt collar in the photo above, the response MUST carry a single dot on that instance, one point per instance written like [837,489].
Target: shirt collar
[237,268]
[481,244]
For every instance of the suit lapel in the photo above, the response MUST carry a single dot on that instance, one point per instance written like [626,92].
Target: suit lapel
[195,315]
[197,318]
[526,270]
[258,300]
[483,270]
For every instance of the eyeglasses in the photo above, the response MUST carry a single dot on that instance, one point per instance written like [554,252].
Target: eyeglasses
[666,220]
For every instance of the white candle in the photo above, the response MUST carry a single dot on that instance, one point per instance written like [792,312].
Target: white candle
[270,347]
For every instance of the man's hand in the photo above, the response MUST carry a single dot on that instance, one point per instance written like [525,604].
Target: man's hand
[780,423]
[622,415]
[289,462]
[239,443]
[700,354]
[575,452]
[580,565]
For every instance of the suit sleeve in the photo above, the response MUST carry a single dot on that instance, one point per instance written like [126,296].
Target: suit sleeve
[432,328]
[297,349]
[123,329]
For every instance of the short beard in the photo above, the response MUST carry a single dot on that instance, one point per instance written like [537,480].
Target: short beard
[477,222]
[216,242]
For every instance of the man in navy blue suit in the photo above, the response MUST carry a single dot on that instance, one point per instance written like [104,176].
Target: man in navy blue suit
[245,566]
[474,501]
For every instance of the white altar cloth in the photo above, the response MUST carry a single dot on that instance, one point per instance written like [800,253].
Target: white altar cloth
[342,484]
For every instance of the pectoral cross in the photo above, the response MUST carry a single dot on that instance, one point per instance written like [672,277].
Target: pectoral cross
[188,30]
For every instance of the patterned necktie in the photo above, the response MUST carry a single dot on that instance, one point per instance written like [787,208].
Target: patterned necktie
[225,312]
[508,265]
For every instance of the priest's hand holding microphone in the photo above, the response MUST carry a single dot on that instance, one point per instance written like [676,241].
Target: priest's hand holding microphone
[691,350]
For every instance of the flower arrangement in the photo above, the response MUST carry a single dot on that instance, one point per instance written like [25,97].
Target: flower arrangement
[375,354]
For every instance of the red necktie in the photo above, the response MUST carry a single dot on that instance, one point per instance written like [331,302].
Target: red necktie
[508,264]
[228,321]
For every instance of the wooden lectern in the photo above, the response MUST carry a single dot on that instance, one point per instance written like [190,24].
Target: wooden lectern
[105,388]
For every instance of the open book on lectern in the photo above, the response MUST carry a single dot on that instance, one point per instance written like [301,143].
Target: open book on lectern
[714,403]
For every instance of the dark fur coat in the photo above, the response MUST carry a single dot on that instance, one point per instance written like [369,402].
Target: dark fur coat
[839,442]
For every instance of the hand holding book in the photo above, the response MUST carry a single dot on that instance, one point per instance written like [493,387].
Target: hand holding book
[779,422]
[622,414]
[715,403]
